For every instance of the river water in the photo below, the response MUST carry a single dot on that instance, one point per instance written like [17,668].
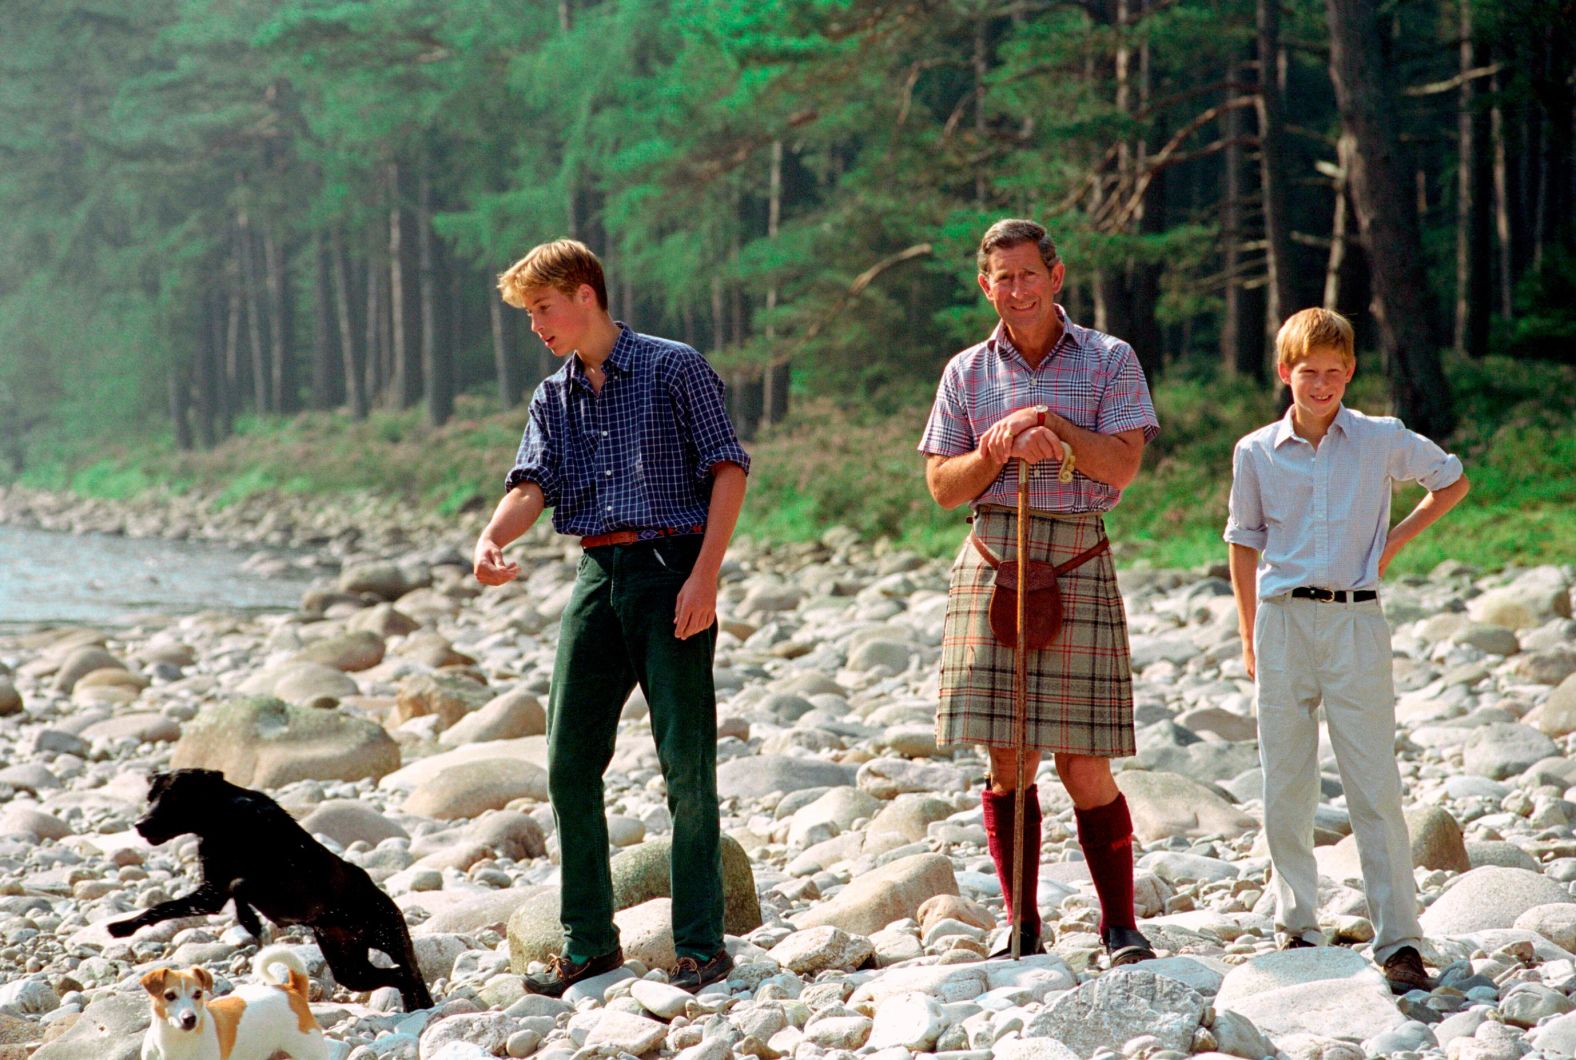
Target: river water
[47,576]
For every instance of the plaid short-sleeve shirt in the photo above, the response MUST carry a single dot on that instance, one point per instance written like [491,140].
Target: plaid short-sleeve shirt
[1090,379]
[637,456]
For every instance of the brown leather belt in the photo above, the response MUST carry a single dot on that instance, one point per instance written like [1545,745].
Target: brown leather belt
[630,537]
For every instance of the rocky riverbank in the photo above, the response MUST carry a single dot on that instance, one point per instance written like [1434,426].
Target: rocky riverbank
[398,712]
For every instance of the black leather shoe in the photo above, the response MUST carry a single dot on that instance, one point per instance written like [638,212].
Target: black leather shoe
[563,973]
[691,973]
[1296,942]
[1404,972]
[1126,945]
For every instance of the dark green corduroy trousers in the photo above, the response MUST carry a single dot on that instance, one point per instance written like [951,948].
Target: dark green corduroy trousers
[617,632]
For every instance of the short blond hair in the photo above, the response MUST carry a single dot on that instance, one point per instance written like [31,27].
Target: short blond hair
[563,264]
[1314,329]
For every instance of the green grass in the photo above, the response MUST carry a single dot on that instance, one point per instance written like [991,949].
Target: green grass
[828,466]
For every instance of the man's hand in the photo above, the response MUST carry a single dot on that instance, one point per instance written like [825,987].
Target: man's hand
[1248,660]
[1037,444]
[996,442]
[488,563]
[696,608]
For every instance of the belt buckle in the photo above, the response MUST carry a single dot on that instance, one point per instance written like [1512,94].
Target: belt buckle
[1324,596]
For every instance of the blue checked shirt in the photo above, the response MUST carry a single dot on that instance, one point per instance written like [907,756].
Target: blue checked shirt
[1320,517]
[637,456]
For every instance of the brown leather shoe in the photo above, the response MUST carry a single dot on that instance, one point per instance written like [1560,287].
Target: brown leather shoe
[1296,942]
[563,973]
[1404,971]
[692,973]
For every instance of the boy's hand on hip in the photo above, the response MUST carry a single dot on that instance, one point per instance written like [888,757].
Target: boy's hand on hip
[489,566]
[1391,547]
[696,608]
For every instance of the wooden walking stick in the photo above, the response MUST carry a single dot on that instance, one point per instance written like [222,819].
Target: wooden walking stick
[1020,710]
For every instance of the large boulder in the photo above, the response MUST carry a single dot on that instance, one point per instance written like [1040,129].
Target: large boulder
[82,662]
[1505,749]
[892,892]
[348,821]
[513,714]
[641,873]
[1490,897]
[752,776]
[1168,804]
[347,651]
[1119,1006]
[449,696]
[265,743]
[110,1029]
[471,789]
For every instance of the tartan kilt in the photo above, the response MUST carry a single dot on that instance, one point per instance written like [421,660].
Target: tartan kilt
[1080,688]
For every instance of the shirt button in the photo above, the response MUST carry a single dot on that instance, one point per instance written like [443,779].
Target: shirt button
[609,507]
[608,472]
[604,434]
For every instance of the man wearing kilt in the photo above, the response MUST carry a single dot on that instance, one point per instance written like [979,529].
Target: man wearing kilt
[1039,386]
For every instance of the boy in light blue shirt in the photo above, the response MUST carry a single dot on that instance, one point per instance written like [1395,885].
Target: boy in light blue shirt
[1310,539]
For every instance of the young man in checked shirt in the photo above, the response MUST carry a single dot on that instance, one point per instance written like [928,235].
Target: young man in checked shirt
[1310,538]
[1039,383]
[630,445]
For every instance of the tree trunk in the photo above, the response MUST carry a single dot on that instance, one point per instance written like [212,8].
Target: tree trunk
[234,371]
[254,319]
[1473,238]
[1551,85]
[325,378]
[403,312]
[775,401]
[204,358]
[1280,294]
[719,328]
[503,356]
[1338,230]
[177,383]
[1387,217]
[1506,285]
[1241,333]
[355,395]
[377,325]
[436,367]
[221,394]
[1144,332]
[281,310]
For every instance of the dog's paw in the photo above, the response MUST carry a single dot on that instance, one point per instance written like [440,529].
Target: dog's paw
[121,928]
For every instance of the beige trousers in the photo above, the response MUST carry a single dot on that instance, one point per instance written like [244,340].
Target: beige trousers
[1338,654]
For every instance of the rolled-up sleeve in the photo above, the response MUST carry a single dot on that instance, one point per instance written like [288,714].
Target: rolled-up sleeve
[698,402]
[948,432]
[1245,510]
[537,460]
[1125,404]
[1414,458]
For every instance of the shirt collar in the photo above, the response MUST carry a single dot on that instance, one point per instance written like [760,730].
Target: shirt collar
[618,360]
[1004,347]
[1285,432]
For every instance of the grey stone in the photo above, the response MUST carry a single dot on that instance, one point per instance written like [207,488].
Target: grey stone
[623,1032]
[310,684]
[1556,715]
[887,778]
[820,949]
[891,892]
[110,1029]
[1166,804]
[1354,1009]
[82,662]
[1275,971]
[1556,922]
[1490,897]
[471,789]
[265,743]
[347,651]
[1501,853]
[449,696]
[1492,640]
[513,714]
[1119,1005]
[10,698]
[641,873]
[347,821]
[752,776]
[1505,749]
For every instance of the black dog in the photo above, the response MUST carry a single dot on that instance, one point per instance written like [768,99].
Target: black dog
[252,851]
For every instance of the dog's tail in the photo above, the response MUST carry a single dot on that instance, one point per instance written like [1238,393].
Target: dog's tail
[269,959]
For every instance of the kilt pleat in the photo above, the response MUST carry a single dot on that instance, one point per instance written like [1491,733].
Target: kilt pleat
[1080,688]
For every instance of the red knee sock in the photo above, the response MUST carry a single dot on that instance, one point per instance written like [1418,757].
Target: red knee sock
[1001,835]
[1106,835]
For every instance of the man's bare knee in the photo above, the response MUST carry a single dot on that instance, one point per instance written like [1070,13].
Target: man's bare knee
[1087,779]
[1004,768]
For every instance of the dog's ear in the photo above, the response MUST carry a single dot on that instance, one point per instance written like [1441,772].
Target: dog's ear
[157,784]
[204,977]
[153,982]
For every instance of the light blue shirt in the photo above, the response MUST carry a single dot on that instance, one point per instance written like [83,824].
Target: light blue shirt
[1320,517]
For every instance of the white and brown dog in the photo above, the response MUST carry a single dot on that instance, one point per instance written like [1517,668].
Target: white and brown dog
[252,1023]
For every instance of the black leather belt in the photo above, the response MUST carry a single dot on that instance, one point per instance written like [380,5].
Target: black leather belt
[1334,596]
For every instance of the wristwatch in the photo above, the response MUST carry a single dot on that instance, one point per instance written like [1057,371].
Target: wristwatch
[1042,411]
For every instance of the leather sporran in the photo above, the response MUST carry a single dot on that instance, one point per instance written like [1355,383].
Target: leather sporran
[1043,608]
